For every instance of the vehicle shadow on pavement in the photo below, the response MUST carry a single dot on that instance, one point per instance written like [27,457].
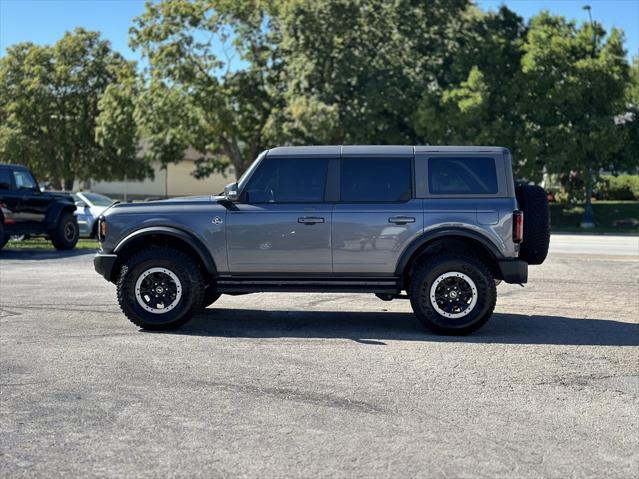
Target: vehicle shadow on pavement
[376,327]
[37,254]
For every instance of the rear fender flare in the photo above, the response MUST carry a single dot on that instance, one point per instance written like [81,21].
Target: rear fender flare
[405,258]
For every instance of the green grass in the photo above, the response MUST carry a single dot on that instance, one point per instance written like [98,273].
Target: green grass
[44,244]
[566,218]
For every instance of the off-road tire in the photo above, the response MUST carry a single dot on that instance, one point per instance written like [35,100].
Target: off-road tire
[429,270]
[66,233]
[533,201]
[188,273]
[210,296]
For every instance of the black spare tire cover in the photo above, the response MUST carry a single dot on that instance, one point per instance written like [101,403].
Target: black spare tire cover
[534,203]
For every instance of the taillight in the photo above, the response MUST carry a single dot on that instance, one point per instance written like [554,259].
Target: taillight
[518,226]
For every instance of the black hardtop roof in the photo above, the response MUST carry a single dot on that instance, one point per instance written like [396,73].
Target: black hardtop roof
[377,150]
[13,166]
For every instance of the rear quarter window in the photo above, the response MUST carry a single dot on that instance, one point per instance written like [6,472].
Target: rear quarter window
[462,176]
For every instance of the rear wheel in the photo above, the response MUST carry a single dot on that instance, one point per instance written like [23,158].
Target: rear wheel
[66,233]
[453,294]
[160,288]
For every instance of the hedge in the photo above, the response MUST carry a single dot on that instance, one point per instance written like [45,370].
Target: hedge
[622,187]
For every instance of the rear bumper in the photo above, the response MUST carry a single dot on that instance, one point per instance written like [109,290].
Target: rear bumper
[513,270]
[103,264]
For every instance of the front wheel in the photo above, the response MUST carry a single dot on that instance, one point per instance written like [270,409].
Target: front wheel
[66,233]
[160,288]
[453,294]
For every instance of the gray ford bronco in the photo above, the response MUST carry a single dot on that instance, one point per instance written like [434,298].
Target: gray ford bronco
[440,226]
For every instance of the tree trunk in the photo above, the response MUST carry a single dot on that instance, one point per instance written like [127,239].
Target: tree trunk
[68,184]
[239,170]
[588,220]
[56,184]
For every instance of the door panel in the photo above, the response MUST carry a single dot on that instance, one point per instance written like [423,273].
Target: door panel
[369,238]
[33,204]
[34,207]
[10,199]
[279,238]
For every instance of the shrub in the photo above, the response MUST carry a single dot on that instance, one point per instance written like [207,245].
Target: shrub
[622,187]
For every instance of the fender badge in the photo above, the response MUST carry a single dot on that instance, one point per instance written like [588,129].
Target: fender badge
[217,220]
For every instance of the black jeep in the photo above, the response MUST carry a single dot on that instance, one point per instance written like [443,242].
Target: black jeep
[25,210]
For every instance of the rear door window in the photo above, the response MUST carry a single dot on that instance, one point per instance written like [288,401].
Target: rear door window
[463,176]
[288,180]
[375,180]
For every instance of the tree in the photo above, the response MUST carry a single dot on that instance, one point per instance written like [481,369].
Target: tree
[49,106]
[195,94]
[574,81]
[628,123]
[355,69]
[478,102]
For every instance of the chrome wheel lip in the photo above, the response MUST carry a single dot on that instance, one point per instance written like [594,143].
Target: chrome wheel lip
[433,295]
[173,277]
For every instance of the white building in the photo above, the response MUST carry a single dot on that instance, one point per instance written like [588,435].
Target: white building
[175,180]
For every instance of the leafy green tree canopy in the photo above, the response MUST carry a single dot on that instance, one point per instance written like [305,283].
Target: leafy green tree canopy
[50,104]
[195,95]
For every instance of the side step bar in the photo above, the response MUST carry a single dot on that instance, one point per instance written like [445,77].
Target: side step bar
[302,285]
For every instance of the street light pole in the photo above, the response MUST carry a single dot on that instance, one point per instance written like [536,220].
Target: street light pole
[589,220]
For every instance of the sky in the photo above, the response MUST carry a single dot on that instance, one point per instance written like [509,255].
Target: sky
[45,21]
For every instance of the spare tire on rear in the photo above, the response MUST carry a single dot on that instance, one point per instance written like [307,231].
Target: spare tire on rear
[534,203]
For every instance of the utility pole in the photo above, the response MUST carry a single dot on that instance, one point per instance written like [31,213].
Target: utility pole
[588,219]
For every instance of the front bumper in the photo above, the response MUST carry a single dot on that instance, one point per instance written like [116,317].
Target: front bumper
[104,263]
[513,270]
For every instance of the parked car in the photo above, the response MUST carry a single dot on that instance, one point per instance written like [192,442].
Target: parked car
[435,225]
[89,207]
[25,210]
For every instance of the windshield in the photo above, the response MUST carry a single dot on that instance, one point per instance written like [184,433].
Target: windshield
[98,200]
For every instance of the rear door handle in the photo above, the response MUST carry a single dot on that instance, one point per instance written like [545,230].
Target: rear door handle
[401,220]
[310,220]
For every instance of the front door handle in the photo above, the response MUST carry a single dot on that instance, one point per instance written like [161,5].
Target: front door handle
[401,220]
[310,220]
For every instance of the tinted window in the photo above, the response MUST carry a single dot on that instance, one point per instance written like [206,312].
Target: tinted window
[97,199]
[288,180]
[466,176]
[6,179]
[24,180]
[383,179]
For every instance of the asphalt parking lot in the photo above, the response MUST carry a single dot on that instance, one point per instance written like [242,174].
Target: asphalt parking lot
[339,385]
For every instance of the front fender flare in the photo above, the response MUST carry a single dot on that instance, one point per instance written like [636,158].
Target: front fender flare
[55,212]
[182,235]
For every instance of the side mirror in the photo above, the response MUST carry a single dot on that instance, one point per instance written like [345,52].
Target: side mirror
[231,193]
[81,204]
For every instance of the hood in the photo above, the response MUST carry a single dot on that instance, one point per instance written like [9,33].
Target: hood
[171,205]
[181,199]
[58,195]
